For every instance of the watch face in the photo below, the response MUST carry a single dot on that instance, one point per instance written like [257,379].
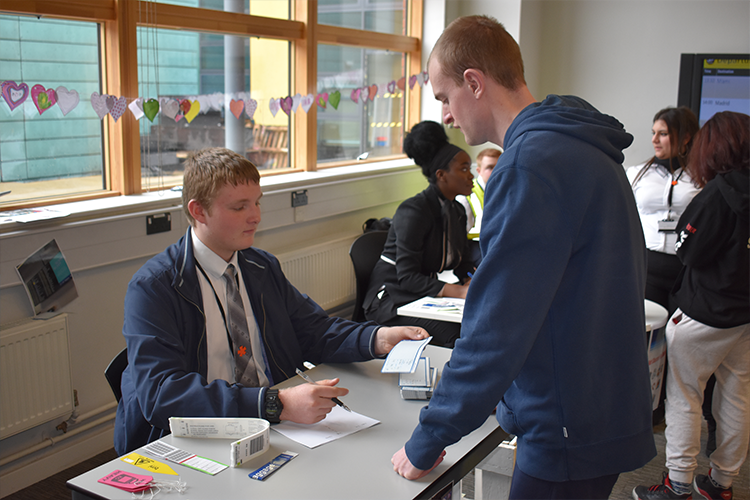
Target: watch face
[273,406]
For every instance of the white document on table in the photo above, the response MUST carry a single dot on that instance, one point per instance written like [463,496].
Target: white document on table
[337,424]
[404,357]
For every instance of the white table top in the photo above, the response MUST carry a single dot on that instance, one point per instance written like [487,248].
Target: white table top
[356,466]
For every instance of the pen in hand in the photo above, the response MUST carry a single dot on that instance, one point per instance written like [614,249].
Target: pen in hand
[311,381]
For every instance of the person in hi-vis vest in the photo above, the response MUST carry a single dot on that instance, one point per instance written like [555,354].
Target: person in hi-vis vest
[474,204]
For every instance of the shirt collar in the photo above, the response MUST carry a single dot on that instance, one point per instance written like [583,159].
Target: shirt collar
[209,260]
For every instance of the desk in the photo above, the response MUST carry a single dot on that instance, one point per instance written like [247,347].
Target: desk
[356,466]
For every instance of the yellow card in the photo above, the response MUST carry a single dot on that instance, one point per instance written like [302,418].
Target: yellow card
[148,464]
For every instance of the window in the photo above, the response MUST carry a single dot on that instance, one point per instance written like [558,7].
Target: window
[326,80]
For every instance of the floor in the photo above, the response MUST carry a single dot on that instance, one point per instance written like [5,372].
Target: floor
[54,487]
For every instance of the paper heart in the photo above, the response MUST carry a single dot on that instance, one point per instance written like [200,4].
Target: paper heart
[205,102]
[401,83]
[237,107]
[420,79]
[99,103]
[151,108]
[364,94]
[274,105]
[14,94]
[425,77]
[286,104]
[119,107]
[391,88]
[306,102]
[184,106]
[334,98]
[195,108]
[136,107]
[412,81]
[43,98]
[169,107]
[322,99]
[250,106]
[217,101]
[110,100]
[355,95]
[296,100]
[67,100]
[373,92]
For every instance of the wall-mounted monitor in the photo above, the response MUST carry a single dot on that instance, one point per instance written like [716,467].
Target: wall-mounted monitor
[710,83]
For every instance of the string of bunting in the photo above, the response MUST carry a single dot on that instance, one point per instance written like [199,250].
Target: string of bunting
[189,107]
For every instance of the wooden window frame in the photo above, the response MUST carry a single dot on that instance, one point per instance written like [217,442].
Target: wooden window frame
[120,20]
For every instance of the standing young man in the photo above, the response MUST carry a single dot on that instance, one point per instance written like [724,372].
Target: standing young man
[212,323]
[553,330]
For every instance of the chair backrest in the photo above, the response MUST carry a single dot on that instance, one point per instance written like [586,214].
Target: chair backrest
[365,252]
[113,372]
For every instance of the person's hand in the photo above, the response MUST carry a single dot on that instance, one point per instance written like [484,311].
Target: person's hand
[403,466]
[455,290]
[310,403]
[387,337]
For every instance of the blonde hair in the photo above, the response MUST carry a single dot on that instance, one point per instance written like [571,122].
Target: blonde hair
[208,170]
[479,42]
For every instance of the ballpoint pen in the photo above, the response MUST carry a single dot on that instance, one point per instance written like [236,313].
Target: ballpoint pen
[311,381]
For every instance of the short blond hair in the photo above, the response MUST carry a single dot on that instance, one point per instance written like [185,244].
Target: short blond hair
[479,42]
[208,170]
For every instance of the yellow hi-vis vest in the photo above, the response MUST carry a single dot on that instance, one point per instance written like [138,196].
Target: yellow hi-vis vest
[476,201]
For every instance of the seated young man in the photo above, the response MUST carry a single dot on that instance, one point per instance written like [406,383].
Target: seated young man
[212,323]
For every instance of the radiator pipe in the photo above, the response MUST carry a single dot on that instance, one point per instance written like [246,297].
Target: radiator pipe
[54,440]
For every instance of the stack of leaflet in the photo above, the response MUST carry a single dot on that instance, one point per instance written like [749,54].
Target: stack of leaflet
[420,383]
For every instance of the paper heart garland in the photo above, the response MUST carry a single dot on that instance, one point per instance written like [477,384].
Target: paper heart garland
[136,107]
[118,108]
[151,108]
[99,103]
[43,98]
[274,105]
[237,107]
[296,101]
[286,104]
[306,102]
[250,106]
[14,94]
[334,98]
[412,81]
[67,100]
[322,99]
[193,110]
[401,83]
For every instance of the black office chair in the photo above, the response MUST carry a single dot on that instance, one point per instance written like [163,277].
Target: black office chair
[113,372]
[365,252]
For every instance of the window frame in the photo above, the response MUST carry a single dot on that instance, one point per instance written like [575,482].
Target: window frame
[119,20]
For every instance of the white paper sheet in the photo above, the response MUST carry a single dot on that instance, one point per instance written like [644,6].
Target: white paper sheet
[337,424]
[404,357]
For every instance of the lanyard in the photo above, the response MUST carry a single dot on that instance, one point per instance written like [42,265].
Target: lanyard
[672,184]
[218,303]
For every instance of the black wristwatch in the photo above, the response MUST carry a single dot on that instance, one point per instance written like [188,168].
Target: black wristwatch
[272,406]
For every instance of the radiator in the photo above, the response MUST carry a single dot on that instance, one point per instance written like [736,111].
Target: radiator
[35,377]
[324,272]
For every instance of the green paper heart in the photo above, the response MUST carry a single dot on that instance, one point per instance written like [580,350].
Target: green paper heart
[334,98]
[150,108]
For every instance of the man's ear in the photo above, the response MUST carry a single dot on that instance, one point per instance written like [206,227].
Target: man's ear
[197,210]
[475,80]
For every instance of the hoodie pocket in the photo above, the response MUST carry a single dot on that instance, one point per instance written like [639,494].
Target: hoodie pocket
[508,419]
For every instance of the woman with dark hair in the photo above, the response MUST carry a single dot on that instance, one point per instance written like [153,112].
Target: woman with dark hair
[427,236]
[709,332]
[663,189]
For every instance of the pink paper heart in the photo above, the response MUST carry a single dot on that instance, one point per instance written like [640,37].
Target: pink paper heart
[237,107]
[43,98]
[373,92]
[274,105]
[322,99]
[99,103]
[401,83]
[14,94]
[306,102]
[391,87]
[250,106]
[355,95]
[286,104]
[412,81]
[118,108]
[296,101]
[67,100]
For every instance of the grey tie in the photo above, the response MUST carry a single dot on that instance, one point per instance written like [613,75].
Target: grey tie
[245,372]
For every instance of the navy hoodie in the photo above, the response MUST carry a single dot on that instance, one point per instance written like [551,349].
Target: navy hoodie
[553,332]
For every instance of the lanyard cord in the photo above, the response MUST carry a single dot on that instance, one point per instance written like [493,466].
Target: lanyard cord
[671,189]
[218,303]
